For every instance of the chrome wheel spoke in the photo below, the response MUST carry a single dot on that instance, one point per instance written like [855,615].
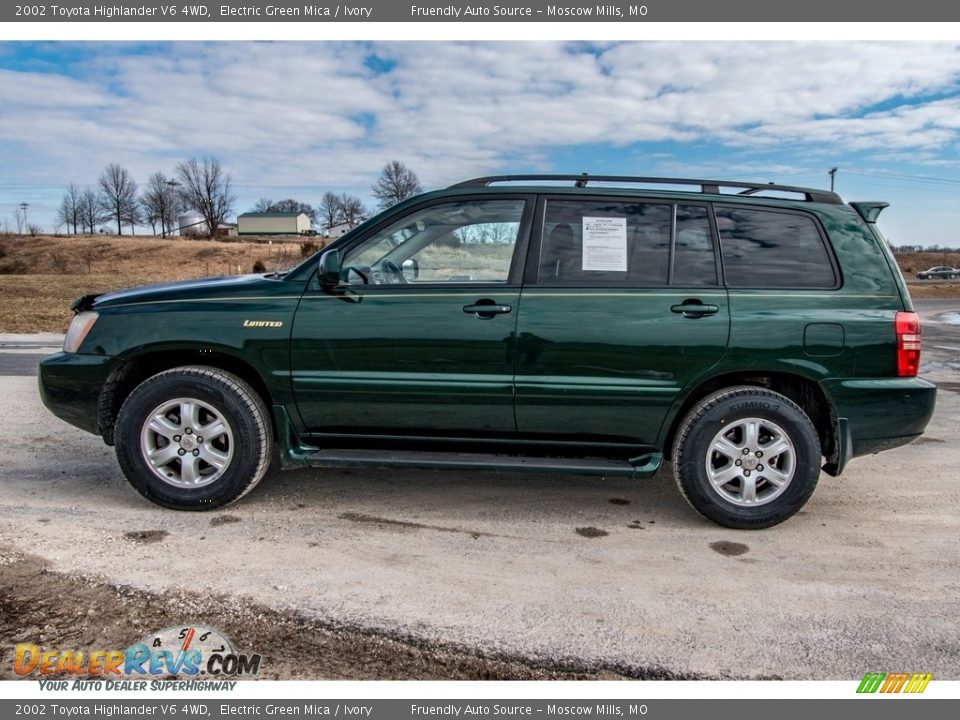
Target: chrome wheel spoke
[189,414]
[776,447]
[751,434]
[212,430]
[722,477]
[161,456]
[727,448]
[748,489]
[214,457]
[776,477]
[162,426]
[190,469]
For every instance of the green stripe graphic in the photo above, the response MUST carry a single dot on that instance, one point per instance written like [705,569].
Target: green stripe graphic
[871,682]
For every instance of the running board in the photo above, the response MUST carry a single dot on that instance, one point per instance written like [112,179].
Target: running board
[644,466]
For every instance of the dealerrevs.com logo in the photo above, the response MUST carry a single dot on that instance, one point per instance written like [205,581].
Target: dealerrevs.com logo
[193,650]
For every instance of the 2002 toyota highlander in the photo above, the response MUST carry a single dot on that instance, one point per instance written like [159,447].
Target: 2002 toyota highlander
[750,333]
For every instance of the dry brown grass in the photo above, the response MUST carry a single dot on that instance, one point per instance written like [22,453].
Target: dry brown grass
[41,276]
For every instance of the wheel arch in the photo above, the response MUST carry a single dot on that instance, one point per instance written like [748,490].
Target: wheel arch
[137,368]
[803,391]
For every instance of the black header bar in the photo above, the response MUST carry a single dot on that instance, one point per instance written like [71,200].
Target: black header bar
[563,11]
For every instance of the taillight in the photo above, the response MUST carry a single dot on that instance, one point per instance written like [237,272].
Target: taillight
[907,326]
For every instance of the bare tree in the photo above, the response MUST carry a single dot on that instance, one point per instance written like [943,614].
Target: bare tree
[396,183]
[118,195]
[329,210]
[284,206]
[351,210]
[160,203]
[89,212]
[68,213]
[133,216]
[206,188]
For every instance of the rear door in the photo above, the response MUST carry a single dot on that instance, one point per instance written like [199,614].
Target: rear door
[622,308]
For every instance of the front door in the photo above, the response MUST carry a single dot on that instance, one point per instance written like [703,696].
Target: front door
[419,339]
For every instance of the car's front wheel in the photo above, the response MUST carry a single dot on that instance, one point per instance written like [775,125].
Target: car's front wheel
[194,438]
[747,457]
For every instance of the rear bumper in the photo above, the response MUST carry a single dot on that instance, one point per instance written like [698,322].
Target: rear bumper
[882,413]
[70,386]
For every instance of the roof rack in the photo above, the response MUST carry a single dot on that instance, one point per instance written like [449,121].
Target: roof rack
[712,187]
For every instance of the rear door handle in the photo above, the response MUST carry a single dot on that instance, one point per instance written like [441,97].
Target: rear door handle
[486,309]
[694,309]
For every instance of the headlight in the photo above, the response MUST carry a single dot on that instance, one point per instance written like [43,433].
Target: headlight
[82,322]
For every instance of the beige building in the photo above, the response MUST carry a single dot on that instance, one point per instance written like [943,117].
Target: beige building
[272,223]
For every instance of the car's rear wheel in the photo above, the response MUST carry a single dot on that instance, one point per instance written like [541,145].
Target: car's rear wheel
[194,438]
[747,457]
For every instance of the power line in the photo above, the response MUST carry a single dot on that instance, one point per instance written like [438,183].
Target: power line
[902,176]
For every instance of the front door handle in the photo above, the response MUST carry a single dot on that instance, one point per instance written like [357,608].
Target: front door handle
[486,309]
[694,309]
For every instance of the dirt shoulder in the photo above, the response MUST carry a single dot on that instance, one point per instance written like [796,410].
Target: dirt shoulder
[53,610]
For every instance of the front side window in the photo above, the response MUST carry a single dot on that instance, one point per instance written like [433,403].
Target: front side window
[770,249]
[469,241]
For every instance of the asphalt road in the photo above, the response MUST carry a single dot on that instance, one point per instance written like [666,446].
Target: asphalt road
[549,568]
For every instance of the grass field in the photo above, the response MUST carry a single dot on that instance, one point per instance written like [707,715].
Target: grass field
[41,276]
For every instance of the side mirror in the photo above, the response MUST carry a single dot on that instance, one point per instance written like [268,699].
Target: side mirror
[411,269]
[330,269]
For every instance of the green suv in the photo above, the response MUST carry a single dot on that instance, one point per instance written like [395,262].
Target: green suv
[751,334]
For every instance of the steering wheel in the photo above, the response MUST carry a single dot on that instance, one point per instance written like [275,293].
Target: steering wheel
[363,274]
[393,275]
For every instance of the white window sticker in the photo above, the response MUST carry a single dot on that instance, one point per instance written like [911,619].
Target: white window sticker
[605,244]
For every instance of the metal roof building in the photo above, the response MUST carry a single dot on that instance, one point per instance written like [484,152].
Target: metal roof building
[272,223]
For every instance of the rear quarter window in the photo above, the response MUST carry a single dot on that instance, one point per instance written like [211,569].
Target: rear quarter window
[773,249]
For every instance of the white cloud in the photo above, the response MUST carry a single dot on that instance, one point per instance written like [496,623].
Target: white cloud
[318,115]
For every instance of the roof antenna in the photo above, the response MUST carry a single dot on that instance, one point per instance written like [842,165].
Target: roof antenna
[582,181]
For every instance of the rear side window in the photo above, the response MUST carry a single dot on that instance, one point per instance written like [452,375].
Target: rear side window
[694,262]
[769,249]
[596,242]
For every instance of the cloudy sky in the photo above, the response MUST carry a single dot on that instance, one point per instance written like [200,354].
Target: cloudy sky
[297,119]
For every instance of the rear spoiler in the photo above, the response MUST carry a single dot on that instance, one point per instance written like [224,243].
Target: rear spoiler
[869,211]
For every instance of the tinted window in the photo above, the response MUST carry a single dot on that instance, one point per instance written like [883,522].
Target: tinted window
[772,250]
[605,243]
[694,262]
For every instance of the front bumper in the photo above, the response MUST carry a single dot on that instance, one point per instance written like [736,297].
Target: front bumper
[882,413]
[70,386]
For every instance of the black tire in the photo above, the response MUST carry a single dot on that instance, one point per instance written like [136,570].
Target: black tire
[779,422]
[246,438]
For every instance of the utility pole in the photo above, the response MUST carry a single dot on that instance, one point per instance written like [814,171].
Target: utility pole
[832,172]
[26,226]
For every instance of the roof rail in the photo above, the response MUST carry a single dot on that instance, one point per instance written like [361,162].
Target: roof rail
[712,187]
